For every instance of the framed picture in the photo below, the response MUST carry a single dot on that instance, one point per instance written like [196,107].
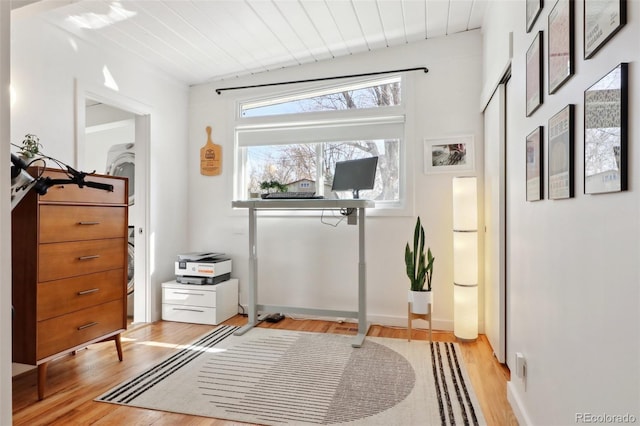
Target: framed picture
[534,7]
[453,154]
[561,41]
[560,153]
[605,133]
[534,74]
[602,19]
[534,165]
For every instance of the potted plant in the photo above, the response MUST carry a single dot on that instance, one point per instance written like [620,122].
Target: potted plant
[30,146]
[272,186]
[419,271]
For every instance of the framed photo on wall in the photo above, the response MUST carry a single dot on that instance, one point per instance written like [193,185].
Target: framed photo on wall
[602,20]
[560,153]
[561,42]
[605,133]
[534,7]
[534,74]
[452,154]
[534,165]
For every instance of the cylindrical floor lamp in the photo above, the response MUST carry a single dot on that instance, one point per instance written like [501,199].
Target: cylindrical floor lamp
[465,258]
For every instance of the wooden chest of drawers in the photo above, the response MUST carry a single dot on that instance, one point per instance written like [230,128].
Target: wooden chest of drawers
[69,270]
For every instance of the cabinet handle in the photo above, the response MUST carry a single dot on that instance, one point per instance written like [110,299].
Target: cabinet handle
[91,324]
[188,293]
[93,256]
[83,292]
[185,309]
[88,223]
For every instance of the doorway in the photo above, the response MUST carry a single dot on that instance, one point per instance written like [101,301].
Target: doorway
[113,138]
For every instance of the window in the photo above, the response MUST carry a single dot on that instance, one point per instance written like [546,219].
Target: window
[369,94]
[297,139]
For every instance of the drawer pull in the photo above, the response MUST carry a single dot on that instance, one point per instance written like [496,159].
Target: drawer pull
[188,293]
[91,324]
[88,223]
[83,292]
[93,256]
[185,309]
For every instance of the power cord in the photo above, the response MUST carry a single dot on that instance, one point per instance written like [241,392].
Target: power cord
[333,215]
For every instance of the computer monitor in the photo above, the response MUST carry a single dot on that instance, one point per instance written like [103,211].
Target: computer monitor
[354,175]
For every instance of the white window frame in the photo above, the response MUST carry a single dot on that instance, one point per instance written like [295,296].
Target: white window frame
[248,128]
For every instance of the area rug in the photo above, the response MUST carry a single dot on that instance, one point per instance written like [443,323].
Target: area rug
[280,377]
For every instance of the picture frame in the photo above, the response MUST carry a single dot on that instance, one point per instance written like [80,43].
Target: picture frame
[561,26]
[450,154]
[606,120]
[534,165]
[602,20]
[534,75]
[533,9]
[560,162]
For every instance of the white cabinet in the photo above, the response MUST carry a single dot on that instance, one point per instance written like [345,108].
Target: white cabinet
[200,304]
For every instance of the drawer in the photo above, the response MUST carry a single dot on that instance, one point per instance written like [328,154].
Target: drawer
[75,194]
[61,297]
[59,334]
[73,223]
[189,297]
[64,260]
[192,314]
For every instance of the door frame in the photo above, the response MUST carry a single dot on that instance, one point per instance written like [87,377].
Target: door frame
[142,112]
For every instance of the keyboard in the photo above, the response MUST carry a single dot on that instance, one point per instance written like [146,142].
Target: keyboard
[291,196]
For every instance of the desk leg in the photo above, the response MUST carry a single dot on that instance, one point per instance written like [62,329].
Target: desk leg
[253,274]
[363,325]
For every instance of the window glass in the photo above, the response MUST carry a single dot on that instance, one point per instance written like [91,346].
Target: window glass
[374,94]
[299,152]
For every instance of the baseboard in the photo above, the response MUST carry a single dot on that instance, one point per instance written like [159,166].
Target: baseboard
[385,320]
[517,406]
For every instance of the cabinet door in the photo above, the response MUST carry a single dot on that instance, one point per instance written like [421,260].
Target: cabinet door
[67,295]
[68,331]
[63,260]
[75,194]
[75,223]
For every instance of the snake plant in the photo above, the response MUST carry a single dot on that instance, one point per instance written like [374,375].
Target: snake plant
[419,266]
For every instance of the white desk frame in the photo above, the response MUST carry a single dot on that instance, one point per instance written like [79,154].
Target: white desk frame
[306,204]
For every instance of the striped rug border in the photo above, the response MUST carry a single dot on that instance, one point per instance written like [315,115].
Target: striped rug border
[129,390]
[445,358]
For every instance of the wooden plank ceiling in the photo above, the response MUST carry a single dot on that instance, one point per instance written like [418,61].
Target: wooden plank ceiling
[197,41]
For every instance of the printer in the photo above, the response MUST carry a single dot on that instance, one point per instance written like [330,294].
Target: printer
[202,268]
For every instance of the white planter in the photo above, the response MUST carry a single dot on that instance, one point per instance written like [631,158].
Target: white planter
[420,301]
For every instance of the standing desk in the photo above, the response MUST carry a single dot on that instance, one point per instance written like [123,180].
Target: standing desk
[306,204]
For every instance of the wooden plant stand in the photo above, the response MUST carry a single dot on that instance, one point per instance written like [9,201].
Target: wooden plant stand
[411,316]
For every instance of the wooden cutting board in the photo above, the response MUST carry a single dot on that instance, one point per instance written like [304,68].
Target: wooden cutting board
[210,157]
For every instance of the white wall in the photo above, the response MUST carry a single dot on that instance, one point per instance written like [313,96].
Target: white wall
[573,275]
[5,220]
[305,263]
[44,63]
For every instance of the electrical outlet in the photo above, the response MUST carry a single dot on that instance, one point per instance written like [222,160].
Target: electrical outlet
[521,368]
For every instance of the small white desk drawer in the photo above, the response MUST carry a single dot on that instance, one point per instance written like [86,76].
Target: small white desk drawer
[200,304]
[192,314]
[206,298]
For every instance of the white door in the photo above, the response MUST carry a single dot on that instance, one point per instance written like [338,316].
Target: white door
[495,216]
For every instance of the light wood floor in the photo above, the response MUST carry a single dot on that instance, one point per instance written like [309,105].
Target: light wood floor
[73,381]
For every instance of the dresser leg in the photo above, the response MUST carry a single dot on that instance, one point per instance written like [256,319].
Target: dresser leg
[118,346]
[42,379]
